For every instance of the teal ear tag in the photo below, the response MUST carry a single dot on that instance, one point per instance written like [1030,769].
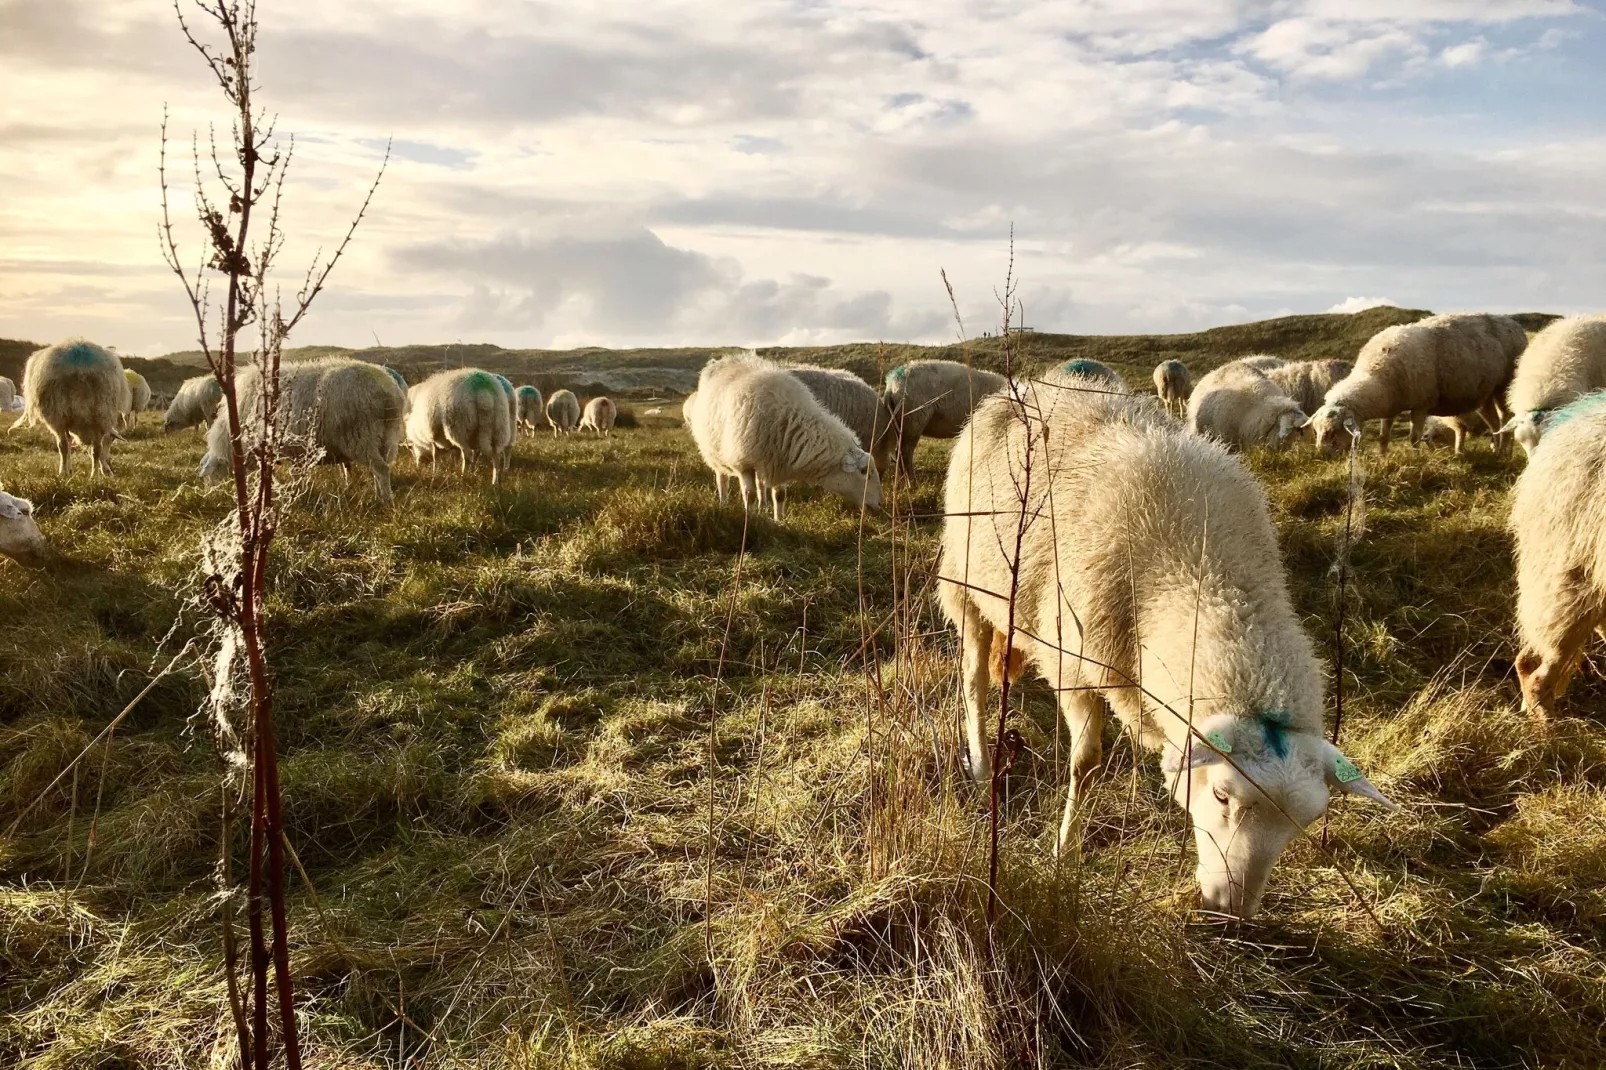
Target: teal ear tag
[1219,741]
[1345,769]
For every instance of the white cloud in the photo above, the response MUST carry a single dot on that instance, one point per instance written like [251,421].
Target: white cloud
[684,170]
[1357,304]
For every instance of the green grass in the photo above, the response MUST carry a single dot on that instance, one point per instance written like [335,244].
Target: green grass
[495,709]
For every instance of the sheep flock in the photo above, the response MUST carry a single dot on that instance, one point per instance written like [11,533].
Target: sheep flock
[1103,542]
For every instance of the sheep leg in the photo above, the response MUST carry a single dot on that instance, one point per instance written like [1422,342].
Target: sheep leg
[64,448]
[976,670]
[778,502]
[1388,433]
[102,457]
[750,491]
[906,457]
[719,486]
[382,482]
[1084,719]
[1419,421]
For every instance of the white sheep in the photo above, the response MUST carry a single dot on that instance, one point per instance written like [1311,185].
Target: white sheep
[599,416]
[512,415]
[531,408]
[932,398]
[1453,431]
[335,410]
[139,399]
[854,402]
[1558,520]
[1148,574]
[1261,362]
[1173,385]
[1241,407]
[462,409]
[195,403]
[1439,366]
[1308,381]
[563,411]
[757,422]
[8,394]
[1565,360]
[78,389]
[1095,370]
[20,539]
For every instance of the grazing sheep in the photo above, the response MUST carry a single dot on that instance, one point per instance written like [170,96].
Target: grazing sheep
[1173,385]
[756,421]
[1565,360]
[340,411]
[599,416]
[563,412]
[1147,573]
[19,535]
[8,394]
[139,399]
[512,416]
[1308,381]
[932,398]
[530,405]
[463,409]
[78,389]
[195,403]
[1558,518]
[1440,366]
[854,402]
[1261,362]
[1242,407]
[1453,431]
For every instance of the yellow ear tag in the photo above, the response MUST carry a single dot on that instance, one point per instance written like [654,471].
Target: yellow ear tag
[1345,770]
[1219,741]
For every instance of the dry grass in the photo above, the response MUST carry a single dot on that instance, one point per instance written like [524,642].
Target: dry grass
[495,715]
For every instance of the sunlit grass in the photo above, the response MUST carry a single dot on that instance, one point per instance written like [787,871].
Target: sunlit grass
[495,712]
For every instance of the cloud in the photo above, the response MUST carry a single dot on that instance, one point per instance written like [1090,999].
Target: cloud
[1357,304]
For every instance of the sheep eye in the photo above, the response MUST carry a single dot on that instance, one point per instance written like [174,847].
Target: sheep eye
[1221,796]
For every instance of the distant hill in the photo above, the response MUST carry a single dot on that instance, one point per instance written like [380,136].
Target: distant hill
[642,372]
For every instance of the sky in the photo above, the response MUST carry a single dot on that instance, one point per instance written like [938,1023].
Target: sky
[712,173]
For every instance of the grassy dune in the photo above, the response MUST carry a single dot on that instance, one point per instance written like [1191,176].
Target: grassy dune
[580,783]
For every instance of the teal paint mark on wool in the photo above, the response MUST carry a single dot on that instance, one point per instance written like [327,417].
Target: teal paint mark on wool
[896,376]
[1579,406]
[1274,727]
[81,355]
[483,381]
[1083,367]
[397,376]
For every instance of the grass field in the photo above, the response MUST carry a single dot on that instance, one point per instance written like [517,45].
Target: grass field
[578,783]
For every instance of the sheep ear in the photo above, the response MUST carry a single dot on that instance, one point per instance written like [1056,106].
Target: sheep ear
[1351,425]
[1342,775]
[1214,749]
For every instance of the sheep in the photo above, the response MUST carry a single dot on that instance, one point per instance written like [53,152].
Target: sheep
[1261,362]
[1096,370]
[1558,521]
[397,377]
[512,416]
[8,394]
[563,411]
[854,402]
[1439,366]
[599,416]
[932,398]
[1563,361]
[1453,431]
[139,399]
[756,421]
[530,406]
[1308,381]
[464,409]
[337,410]
[1242,407]
[194,403]
[78,389]
[20,539]
[1144,569]
[1173,385]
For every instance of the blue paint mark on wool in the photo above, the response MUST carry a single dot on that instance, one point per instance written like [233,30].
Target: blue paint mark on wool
[396,375]
[1083,367]
[897,375]
[483,381]
[81,354]
[1579,406]
[1274,727]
